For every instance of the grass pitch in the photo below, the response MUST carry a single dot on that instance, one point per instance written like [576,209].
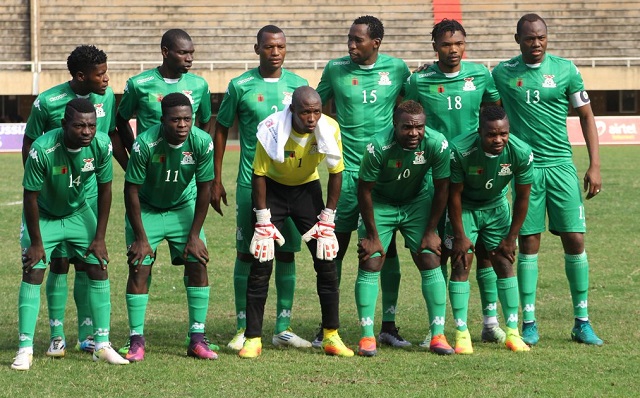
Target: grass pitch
[555,367]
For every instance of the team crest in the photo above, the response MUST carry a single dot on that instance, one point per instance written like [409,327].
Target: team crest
[188,158]
[88,165]
[548,81]
[287,98]
[468,84]
[99,110]
[188,93]
[505,169]
[384,79]
[419,159]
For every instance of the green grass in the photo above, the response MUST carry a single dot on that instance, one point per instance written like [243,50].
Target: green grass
[555,367]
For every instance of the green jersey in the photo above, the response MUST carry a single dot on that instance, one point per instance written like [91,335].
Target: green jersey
[452,101]
[364,97]
[486,177]
[251,98]
[60,174]
[399,174]
[47,110]
[165,171]
[144,92]
[536,99]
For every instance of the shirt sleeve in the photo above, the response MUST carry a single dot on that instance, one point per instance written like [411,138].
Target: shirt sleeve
[112,116]
[137,166]
[129,102]
[371,164]
[457,169]
[228,107]
[576,84]
[410,89]
[261,161]
[34,170]
[324,87]
[406,74]
[491,93]
[104,171]
[441,166]
[204,169]
[524,174]
[37,119]
[204,108]
[340,166]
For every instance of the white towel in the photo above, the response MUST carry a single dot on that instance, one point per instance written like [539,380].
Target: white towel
[273,133]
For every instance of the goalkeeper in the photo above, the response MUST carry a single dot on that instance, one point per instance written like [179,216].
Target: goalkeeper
[393,195]
[291,144]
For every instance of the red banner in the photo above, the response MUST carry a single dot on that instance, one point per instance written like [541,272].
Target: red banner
[612,130]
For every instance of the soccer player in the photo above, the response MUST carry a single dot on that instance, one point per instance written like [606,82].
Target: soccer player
[88,68]
[251,97]
[143,94]
[291,144]
[160,205]
[56,177]
[393,195]
[482,165]
[364,86]
[451,92]
[537,89]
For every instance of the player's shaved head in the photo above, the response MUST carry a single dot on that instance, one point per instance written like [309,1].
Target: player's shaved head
[304,94]
[79,105]
[528,18]
[267,29]
[174,99]
[170,37]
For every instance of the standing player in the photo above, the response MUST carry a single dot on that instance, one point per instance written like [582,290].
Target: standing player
[56,176]
[364,86]
[537,89]
[251,97]
[393,195]
[143,94]
[482,164]
[88,68]
[286,184]
[451,92]
[160,205]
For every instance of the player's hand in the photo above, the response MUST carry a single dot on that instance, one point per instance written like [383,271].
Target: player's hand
[218,193]
[368,246]
[324,232]
[431,241]
[424,66]
[592,182]
[459,250]
[506,249]
[137,252]
[197,249]
[99,249]
[264,234]
[32,256]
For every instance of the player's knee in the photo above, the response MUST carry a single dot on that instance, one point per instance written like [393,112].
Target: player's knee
[96,273]
[59,265]
[33,277]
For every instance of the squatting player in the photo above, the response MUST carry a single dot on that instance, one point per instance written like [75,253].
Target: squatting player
[291,144]
[537,89]
[482,165]
[393,195]
[160,205]
[56,178]
[364,86]
[143,94]
[451,92]
[251,97]
[88,68]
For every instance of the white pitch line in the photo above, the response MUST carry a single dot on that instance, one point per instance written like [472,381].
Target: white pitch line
[19,202]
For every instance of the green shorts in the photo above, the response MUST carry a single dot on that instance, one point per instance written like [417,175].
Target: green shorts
[556,191]
[347,210]
[410,219]
[245,227]
[492,225]
[171,225]
[72,235]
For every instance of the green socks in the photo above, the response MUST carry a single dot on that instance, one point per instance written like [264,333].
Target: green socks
[56,289]
[285,287]
[487,278]
[508,293]
[366,291]
[81,297]
[240,278]
[434,291]
[136,309]
[28,308]
[576,266]
[390,285]
[100,303]
[528,283]
[459,297]
[198,301]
